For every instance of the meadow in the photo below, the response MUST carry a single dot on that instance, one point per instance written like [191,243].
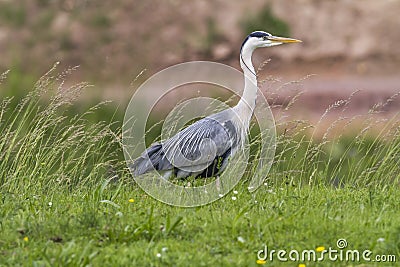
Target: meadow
[68,199]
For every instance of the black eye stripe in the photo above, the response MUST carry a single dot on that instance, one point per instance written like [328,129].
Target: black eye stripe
[259,34]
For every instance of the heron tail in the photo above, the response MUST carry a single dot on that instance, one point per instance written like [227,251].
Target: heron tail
[149,160]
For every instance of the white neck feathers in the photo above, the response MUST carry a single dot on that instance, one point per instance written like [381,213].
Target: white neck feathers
[247,103]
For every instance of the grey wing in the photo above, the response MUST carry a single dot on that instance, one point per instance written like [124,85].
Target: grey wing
[195,148]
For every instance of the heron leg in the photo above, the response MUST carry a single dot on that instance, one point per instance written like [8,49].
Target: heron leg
[182,174]
[167,175]
[218,184]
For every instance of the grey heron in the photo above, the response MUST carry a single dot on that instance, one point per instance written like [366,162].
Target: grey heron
[204,148]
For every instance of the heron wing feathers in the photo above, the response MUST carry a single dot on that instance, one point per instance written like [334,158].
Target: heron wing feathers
[198,144]
[193,149]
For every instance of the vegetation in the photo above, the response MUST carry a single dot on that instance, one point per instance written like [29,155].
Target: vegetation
[265,19]
[213,35]
[13,15]
[67,199]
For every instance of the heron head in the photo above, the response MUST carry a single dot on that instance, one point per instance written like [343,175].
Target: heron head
[264,39]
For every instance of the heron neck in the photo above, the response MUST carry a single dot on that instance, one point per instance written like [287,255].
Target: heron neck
[247,103]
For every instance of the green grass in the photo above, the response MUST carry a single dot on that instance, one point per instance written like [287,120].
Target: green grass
[65,195]
[101,227]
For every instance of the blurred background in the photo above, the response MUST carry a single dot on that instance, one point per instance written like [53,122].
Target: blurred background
[347,46]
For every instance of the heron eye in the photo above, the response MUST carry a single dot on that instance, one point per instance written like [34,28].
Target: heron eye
[265,38]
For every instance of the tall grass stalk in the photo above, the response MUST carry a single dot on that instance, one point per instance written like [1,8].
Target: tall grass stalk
[42,147]
[367,157]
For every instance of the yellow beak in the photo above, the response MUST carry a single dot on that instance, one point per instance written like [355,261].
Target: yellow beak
[283,39]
